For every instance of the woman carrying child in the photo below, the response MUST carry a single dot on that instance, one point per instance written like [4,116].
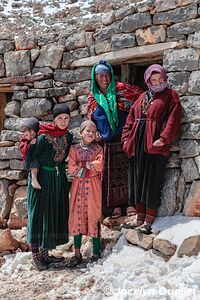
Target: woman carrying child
[48,207]
[85,164]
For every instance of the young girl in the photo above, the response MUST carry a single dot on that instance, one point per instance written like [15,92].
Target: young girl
[86,164]
[28,138]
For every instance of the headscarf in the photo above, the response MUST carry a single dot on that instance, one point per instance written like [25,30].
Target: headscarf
[155,68]
[32,123]
[108,103]
[87,123]
[102,68]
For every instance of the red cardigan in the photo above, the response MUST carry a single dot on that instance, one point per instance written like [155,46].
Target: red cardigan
[162,121]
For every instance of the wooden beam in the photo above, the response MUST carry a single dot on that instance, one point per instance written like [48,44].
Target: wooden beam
[11,89]
[125,71]
[25,79]
[127,54]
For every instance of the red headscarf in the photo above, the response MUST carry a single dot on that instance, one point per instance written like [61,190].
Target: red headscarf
[51,129]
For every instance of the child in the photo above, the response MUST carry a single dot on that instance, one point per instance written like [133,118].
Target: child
[86,164]
[29,137]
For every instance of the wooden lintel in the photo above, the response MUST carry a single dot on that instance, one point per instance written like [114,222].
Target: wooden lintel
[25,79]
[124,55]
[11,89]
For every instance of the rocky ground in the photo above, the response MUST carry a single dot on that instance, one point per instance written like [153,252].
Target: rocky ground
[31,284]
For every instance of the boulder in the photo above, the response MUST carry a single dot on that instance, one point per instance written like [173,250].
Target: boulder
[192,202]
[190,246]
[7,242]
[136,238]
[19,215]
[164,247]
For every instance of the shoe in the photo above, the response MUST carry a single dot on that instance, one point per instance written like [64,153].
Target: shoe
[94,258]
[76,260]
[130,211]
[116,213]
[38,265]
[145,229]
[52,260]
[131,225]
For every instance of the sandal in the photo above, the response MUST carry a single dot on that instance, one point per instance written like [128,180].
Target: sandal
[130,211]
[76,260]
[116,213]
[145,229]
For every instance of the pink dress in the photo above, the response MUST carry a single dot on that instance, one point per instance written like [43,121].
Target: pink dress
[85,164]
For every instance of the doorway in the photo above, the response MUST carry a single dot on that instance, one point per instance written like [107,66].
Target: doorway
[133,73]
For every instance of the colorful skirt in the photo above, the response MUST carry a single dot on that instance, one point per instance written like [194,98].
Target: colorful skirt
[115,175]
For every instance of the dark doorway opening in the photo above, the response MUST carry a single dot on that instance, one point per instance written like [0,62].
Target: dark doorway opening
[133,73]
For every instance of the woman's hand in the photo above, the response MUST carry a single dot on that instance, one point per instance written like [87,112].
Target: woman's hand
[158,143]
[33,141]
[98,137]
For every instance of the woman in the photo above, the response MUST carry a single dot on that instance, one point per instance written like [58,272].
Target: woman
[48,207]
[152,124]
[109,103]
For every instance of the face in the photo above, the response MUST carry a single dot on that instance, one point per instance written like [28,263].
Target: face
[103,80]
[156,79]
[62,121]
[88,135]
[29,134]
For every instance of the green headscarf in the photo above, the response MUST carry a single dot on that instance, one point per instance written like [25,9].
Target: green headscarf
[108,103]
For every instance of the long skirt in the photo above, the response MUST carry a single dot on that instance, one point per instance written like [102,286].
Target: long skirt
[146,173]
[115,175]
[48,210]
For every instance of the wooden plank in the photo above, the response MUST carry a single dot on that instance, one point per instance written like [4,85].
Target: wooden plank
[127,54]
[3,103]
[25,79]
[11,89]
[125,71]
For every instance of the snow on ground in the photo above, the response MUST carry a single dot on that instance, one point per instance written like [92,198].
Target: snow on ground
[130,273]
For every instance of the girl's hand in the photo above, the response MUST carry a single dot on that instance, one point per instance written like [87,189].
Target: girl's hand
[158,143]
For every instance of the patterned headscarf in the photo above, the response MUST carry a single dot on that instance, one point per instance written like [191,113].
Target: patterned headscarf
[155,69]
[87,123]
[108,102]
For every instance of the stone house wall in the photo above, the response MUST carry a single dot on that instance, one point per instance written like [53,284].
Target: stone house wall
[37,72]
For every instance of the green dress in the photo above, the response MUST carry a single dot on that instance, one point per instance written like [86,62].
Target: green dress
[48,208]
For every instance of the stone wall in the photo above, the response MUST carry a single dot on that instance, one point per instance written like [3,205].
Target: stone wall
[121,33]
